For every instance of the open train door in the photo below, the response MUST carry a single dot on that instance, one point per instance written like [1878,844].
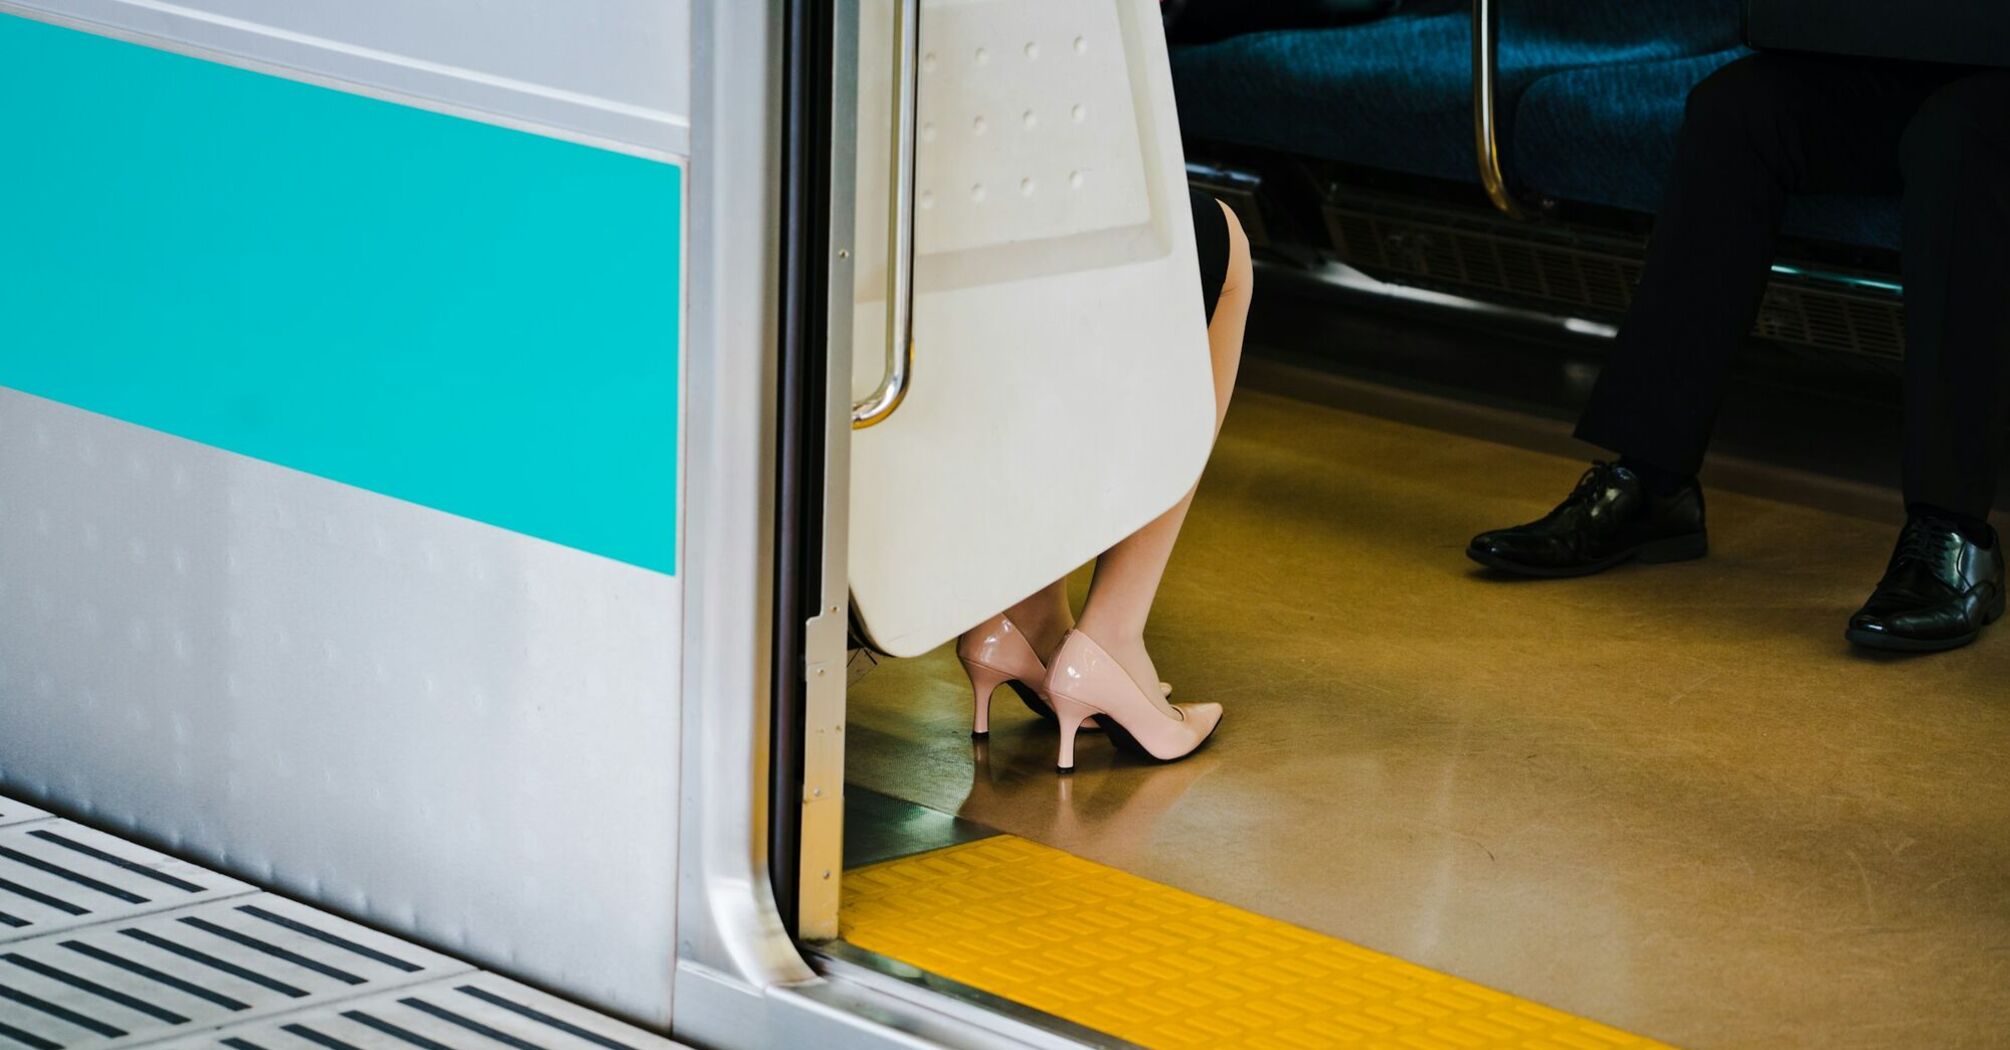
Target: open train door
[1045,387]
[995,360]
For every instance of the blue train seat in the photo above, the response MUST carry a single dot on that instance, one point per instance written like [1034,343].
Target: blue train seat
[1591,96]
[1606,135]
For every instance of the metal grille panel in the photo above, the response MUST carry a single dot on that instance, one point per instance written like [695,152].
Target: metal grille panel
[214,964]
[56,875]
[105,945]
[12,812]
[481,1012]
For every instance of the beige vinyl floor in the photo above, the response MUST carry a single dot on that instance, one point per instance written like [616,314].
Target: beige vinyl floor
[1668,798]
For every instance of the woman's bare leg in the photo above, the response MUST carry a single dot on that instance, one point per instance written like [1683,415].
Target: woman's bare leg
[1128,574]
[1044,617]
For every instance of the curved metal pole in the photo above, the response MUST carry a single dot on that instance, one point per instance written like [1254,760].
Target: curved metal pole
[1486,141]
[900,238]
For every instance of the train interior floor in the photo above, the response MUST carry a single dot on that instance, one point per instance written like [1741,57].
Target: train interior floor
[1671,799]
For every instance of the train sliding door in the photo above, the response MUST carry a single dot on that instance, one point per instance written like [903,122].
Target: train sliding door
[1013,309]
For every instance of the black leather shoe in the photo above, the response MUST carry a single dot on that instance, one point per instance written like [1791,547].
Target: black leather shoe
[1609,518]
[1939,591]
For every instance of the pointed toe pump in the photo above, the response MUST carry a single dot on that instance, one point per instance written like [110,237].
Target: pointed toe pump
[1086,682]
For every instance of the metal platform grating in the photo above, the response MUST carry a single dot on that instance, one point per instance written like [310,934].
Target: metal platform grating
[481,1010]
[106,945]
[55,875]
[12,812]
[207,966]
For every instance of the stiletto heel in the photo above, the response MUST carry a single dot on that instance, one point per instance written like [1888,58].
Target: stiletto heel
[1085,681]
[995,653]
[1070,715]
[983,681]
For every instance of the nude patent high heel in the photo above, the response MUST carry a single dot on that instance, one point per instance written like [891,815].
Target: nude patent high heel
[1086,682]
[995,653]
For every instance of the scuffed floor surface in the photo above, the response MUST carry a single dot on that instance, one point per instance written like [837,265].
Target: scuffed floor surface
[1668,798]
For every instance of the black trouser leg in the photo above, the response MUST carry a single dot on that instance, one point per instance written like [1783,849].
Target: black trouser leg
[1956,157]
[1755,131]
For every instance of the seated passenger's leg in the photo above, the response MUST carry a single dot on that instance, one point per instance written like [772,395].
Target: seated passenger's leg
[1945,581]
[1754,131]
[1956,157]
[1112,627]
[1014,647]
[1128,574]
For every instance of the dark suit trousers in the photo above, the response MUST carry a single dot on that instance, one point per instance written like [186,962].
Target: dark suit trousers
[1771,125]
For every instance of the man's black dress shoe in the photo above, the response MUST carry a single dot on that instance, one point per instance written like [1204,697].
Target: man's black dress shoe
[1609,518]
[1939,591]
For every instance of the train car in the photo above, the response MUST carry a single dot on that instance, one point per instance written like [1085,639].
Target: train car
[497,498]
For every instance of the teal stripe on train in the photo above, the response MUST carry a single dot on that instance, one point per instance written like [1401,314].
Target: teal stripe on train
[468,317]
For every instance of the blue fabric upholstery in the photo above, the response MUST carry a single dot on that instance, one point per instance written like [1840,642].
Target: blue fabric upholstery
[1606,135]
[1390,94]
[1396,93]
[1592,93]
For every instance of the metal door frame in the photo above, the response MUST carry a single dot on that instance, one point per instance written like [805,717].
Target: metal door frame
[742,980]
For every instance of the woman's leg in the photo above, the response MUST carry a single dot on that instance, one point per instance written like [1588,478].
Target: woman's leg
[1044,618]
[1128,574]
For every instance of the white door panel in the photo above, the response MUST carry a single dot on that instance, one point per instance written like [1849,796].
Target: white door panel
[1061,393]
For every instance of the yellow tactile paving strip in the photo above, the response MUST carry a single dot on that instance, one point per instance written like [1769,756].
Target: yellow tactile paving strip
[1163,968]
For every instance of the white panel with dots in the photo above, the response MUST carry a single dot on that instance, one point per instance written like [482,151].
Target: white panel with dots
[1028,129]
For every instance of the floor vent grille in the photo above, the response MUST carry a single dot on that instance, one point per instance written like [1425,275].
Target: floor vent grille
[105,945]
[481,1011]
[55,875]
[137,980]
[12,812]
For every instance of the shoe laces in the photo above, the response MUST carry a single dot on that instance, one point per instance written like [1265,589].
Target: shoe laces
[1924,540]
[1593,483]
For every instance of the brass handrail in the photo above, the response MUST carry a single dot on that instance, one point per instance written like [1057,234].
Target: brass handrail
[1486,138]
[892,389]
